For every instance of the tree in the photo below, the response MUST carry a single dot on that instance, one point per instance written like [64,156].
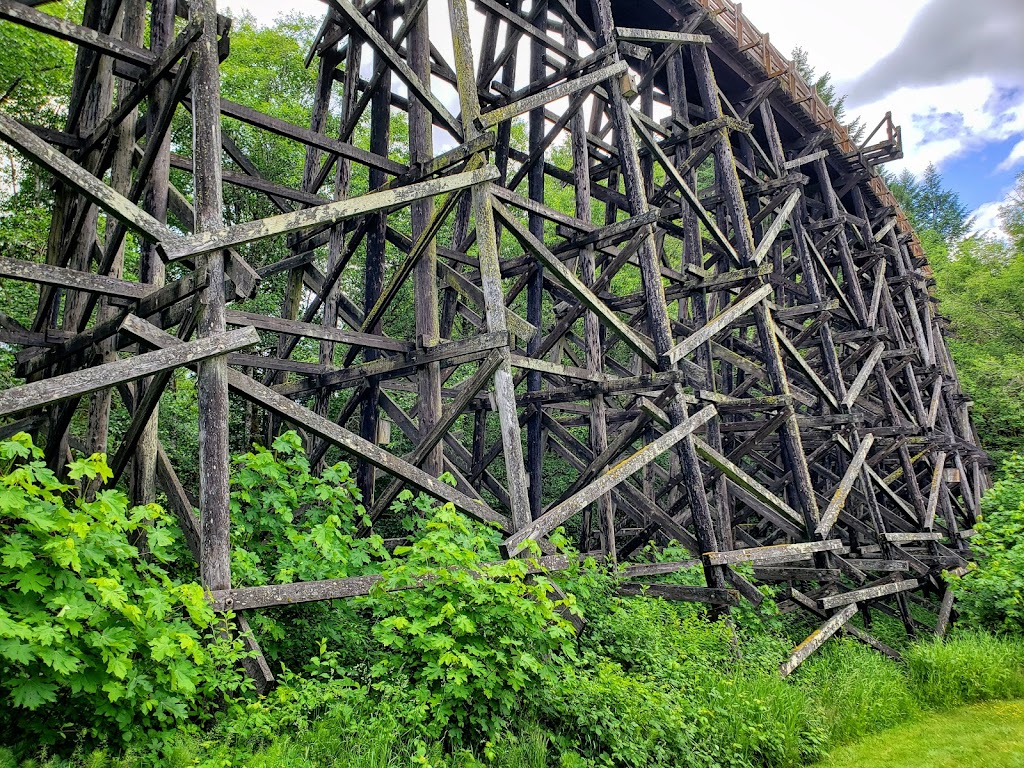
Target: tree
[980,281]
[931,205]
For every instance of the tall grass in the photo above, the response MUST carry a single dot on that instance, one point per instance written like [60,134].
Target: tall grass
[856,691]
[969,667]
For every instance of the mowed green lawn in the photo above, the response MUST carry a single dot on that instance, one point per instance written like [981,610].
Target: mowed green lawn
[981,736]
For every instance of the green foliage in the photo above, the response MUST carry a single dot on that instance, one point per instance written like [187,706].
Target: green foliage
[96,640]
[856,691]
[476,638]
[290,525]
[991,594]
[930,205]
[980,281]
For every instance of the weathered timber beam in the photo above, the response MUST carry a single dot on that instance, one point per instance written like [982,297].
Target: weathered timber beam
[816,640]
[718,324]
[251,598]
[863,375]
[327,430]
[58,164]
[660,36]
[868,593]
[745,481]
[72,279]
[425,444]
[451,352]
[842,493]
[555,92]
[781,219]
[23,14]
[576,286]
[778,553]
[316,331]
[606,482]
[78,383]
[399,66]
[329,213]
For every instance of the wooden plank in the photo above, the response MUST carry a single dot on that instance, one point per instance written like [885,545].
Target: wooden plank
[868,593]
[660,36]
[252,598]
[779,553]
[329,213]
[910,538]
[72,279]
[945,612]
[79,383]
[606,482]
[745,481]
[555,92]
[680,593]
[718,324]
[862,377]
[399,66]
[576,286]
[63,168]
[316,331]
[842,493]
[815,640]
[934,490]
[23,14]
[781,219]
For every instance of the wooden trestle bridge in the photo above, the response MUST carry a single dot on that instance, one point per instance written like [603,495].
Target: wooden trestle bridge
[771,387]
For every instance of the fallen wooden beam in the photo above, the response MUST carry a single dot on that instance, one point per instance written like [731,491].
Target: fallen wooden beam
[815,640]
[868,593]
[778,553]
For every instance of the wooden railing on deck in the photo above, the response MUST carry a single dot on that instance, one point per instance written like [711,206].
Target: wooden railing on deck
[757,47]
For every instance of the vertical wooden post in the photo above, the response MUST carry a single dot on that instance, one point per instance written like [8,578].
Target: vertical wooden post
[151,266]
[591,324]
[535,287]
[657,309]
[490,274]
[421,150]
[215,550]
[376,242]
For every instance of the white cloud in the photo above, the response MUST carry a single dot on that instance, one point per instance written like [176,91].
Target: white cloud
[1015,158]
[838,41]
[986,220]
[944,121]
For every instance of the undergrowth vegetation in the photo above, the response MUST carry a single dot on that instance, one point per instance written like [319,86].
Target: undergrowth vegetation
[111,656]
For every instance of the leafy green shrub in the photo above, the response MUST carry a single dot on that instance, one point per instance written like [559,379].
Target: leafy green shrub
[290,525]
[475,638]
[614,719]
[968,667]
[95,639]
[991,594]
[671,642]
[856,690]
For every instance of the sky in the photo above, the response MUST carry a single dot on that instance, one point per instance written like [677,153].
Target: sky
[951,72]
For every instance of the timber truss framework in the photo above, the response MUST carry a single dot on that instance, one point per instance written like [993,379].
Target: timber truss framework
[773,389]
